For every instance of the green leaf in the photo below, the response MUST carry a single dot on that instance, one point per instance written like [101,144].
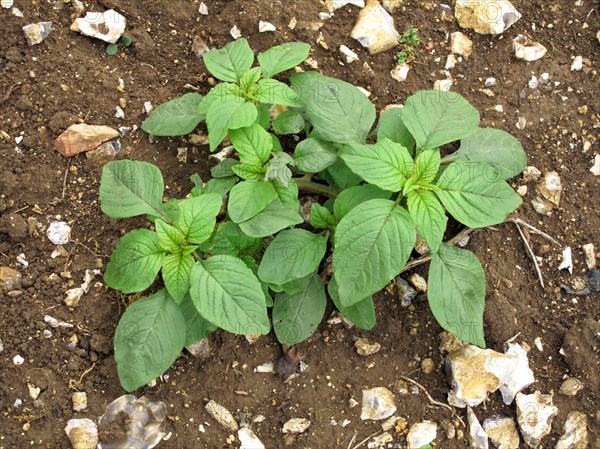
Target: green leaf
[176,117]
[264,115]
[170,209]
[278,169]
[350,198]
[390,127]
[321,217]
[289,122]
[293,254]
[271,91]
[197,327]
[224,168]
[271,220]
[228,294]
[282,57]
[249,79]
[427,166]
[429,217]
[435,118]
[232,241]
[248,198]
[112,49]
[250,172]
[456,293]
[288,195]
[170,238]
[372,244]
[230,62]
[340,176]
[221,93]
[314,155]
[362,314]
[126,40]
[197,216]
[220,186]
[176,269]
[253,144]
[135,262]
[229,115]
[475,194]
[131,188]
[494,146]
[386,164]
[277,148]
[148,340]
[338,111]
[295,318]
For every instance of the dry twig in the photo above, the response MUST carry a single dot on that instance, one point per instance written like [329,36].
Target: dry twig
[431,400]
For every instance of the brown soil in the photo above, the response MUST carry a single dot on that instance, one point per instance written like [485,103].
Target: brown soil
[68,78]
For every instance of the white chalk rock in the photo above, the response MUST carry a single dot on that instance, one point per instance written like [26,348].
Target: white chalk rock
[477,436]
[296,425]
[392,5]
[460,44]
[107,26]
[502,432]
[349,54]
[521,376]
[59,232]
[421,434]
[222,416]
[596,167]
[35,33]
[577,64]
[551,187]
[575,432]
[400,72]
[528,50]
[333,5]
[249,440]
[486,17]
[377,403]
[374,28]
[263,27]
[535,413]
[82,433]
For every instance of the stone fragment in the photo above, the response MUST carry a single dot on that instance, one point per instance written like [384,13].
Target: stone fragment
[427,365]
[571,386]
[35,33]
[400,72]
[366,347]
[296,425]
[460,44]
[374,28]
[264,27]
[443,85]
[59,232]
[421,434]
[349,54]
[418,282]
[567,260]
[450,62]
[82,433]
[486,17]
[541,206]
[107,26]
[7,4]
[596,167]
[528,50]
[531,173]
[577,64]
[10,279]
[477,436]
[81,137]
[535,413]
[199,47]
[235,32]
[575,434]
[520,378]
[589,253]
[334,5]
[449,342]
[380,441]
[203,9]
[392,5]
[18,360]
[502,432]
[249,440]
[222,416]
[199,349]
[104,153]
[404,292]
[377,403]
[79,399]
[551,187]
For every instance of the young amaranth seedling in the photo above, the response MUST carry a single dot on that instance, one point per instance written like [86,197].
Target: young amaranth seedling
[409,42]
[378,188]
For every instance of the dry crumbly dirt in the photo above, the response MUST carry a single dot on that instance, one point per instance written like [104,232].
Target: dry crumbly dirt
[68,78]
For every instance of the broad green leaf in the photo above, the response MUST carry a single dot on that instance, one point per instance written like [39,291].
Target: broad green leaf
[176,269]
[222,117]
[249,79]
[271,91]
[135,262]
[197,180]
[494,146]
[295,318]
[282,57]
[250,172]
[130,188]
[221,93]
[372,244]
[171,209]
[390,126]
[264,115]
[278,169]
[297,285]
[340,176]
[277,148]
[456,293]
[228,294]
[271,220]
[427,166]
[293,254]
[220,186]
[385,164]
[475,194]
[321,217]
[253,144]
[288,122]
[176,117]
[223,168]
[170,238]
[435,118]
[362,314]
[230,62]
[232,241]
[350,198]
[338,111]
[314,155]
[197,216]
[248,198]
[148,340]
[429,217]
[288,195]
[197,327]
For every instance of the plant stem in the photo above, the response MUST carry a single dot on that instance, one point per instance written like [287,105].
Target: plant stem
[305,183]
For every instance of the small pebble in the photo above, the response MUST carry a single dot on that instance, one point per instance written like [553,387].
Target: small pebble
[18,360]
